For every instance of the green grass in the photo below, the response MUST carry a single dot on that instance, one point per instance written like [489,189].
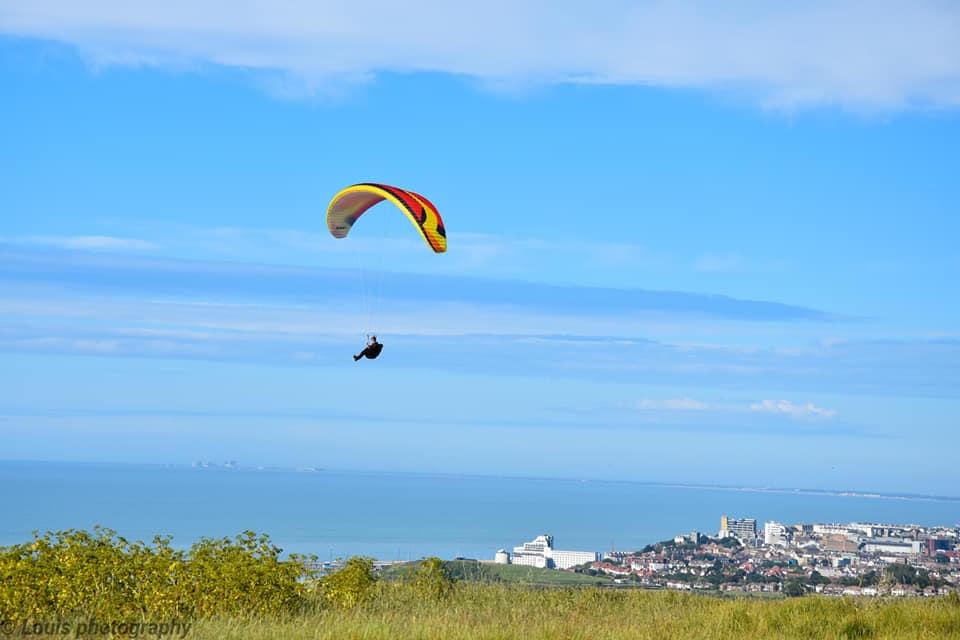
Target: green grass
[473,571]
[504,612]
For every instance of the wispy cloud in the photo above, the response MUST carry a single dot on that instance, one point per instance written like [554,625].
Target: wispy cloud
[788,408]
[856,53]
[484,254]
[113,304]
[784,408]
[672,404]
[85,243]
[297,285]
[441,340]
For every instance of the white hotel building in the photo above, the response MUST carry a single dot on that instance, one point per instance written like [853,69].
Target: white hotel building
[540,553]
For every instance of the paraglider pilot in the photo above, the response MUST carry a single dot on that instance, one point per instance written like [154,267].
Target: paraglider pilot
[371,351]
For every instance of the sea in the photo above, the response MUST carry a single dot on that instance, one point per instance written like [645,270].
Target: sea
[404,516]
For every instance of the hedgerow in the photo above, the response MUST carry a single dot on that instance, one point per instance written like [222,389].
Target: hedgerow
[71,573]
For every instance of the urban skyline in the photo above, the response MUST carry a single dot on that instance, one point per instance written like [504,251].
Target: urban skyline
[857,558]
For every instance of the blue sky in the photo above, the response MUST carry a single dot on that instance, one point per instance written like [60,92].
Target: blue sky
[684,243]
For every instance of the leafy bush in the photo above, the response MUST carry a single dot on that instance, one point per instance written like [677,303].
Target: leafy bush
[242,577]
[431,580]
[351,585]
[73,573]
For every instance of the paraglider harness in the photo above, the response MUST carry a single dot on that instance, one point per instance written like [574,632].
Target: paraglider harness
[371,351]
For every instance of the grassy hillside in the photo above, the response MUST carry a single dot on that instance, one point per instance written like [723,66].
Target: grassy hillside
[473,571]
[503,612]
[241,588]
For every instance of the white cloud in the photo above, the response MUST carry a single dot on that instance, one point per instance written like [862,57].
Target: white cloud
[858,53]
[777,407]
[386,242]
[673,404]
[88,243]
[788,408]
[59,343]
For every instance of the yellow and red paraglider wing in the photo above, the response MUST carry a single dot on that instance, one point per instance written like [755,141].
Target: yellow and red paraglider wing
[432,226]
[352,202]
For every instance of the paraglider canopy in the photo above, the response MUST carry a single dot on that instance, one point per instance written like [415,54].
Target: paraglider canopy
[349,204]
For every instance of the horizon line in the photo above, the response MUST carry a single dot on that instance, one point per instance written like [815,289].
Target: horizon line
[834,492]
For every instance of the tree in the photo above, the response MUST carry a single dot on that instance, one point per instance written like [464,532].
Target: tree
[817,578]
[351,585]
[794,588]
[905,574]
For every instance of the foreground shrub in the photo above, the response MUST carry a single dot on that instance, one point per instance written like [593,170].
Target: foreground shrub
[351,585]
[74,573]
[431,581]
[245,576]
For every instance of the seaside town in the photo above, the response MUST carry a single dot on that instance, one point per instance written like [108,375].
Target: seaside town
[860,559]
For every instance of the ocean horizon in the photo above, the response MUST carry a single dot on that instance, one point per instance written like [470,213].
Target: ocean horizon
[403,516]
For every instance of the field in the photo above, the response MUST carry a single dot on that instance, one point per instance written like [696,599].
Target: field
[507,612]
[244,589]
